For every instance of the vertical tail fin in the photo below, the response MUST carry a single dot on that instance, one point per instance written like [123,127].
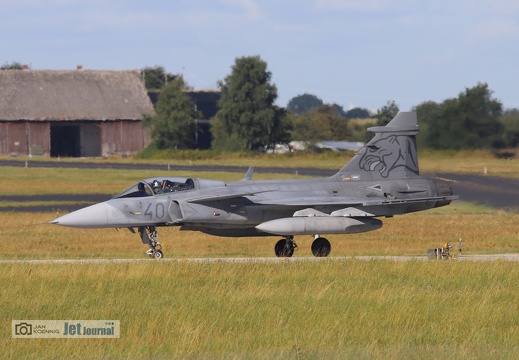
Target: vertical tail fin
[390,154]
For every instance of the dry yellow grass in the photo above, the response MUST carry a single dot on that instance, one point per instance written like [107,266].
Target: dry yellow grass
[27,235]
[447,161]
[22,181]
[295,310]
[304,310]
[473,162]
[492,232]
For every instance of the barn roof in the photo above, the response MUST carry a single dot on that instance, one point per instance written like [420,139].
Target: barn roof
[72,95]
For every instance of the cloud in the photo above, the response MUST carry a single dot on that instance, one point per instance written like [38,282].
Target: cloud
[354,5]
[497,28]
[20,4]
[248,7]
[503,7]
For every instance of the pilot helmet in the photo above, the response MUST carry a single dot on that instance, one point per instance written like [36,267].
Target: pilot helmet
[155,184]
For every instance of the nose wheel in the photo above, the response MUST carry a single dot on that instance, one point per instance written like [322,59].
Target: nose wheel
[155,253]
[149,235]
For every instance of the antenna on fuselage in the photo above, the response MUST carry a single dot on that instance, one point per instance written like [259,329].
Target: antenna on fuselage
[248,174]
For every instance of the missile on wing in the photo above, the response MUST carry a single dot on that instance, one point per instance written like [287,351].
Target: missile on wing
[319,225]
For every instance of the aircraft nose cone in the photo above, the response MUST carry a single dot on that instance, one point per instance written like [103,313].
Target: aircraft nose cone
[93,216]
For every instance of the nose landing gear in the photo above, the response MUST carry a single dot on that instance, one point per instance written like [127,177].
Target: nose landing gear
[149,235]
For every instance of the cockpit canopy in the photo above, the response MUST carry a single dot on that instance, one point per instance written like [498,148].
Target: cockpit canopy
[151,187]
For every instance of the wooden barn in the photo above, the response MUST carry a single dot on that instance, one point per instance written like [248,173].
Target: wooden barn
[79,113]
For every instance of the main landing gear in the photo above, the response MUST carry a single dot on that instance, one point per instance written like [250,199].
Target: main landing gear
[321,247]
[149,235]
[285,247]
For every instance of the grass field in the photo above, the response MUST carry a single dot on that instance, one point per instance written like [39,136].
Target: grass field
[29,181]
[483,231]
[290,310]
[476,162]
[330,309]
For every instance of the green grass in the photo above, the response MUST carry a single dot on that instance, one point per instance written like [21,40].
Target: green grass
[28,181]
[474,162]
[308,310]
[18,204]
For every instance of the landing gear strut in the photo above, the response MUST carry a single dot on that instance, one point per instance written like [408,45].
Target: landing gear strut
[285,247]
[149,235]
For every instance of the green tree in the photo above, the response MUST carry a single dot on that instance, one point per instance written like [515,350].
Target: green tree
[303,103]
[480,115]
[429,134]
[320,124]
[360,131]
[470,121]
[339,110]
[156,77]
[172,126]
[386,113]
[510,122]
[383,116]
[247,118]
[358,113]
[12,66]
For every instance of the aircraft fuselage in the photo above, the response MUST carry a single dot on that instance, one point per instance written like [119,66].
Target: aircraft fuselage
[200,209]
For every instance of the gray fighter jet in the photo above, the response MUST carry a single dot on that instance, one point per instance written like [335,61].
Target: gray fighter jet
[381,180]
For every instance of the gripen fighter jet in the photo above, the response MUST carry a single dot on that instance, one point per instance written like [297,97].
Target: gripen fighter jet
[381,180]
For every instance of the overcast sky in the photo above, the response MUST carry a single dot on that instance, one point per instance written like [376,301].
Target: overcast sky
[351,52]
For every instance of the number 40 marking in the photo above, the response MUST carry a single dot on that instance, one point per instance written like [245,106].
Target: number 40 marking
[159,210]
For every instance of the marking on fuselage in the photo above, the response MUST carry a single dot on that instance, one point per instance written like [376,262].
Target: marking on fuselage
[377,187]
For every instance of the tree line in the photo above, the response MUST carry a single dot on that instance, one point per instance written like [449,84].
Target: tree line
[248,118]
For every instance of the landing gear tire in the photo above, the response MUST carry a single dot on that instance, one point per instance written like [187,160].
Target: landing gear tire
[321,247]
[157,255]
[149,235]
[285,248]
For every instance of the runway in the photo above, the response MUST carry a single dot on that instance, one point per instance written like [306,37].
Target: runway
[494,257]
